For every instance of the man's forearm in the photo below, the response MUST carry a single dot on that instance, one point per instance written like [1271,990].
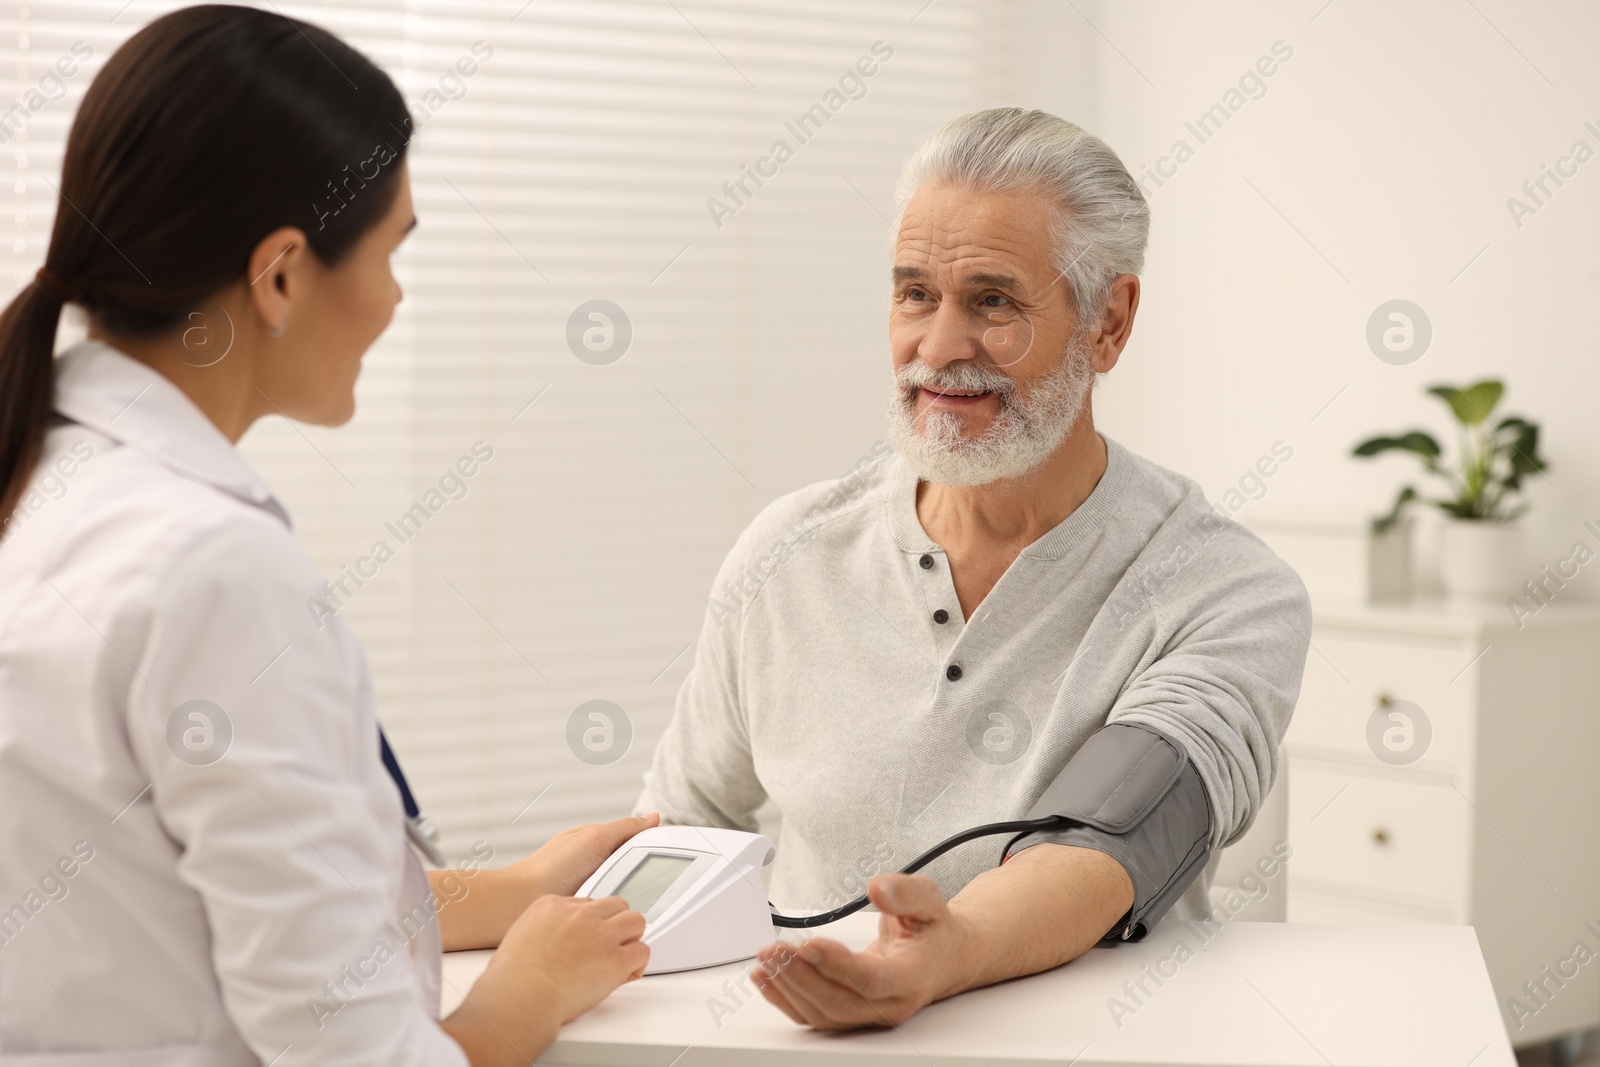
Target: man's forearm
[1048,904]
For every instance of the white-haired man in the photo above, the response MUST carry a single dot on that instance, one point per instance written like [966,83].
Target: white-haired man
[1013,617]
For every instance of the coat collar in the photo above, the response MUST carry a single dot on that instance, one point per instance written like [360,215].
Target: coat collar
[128,401]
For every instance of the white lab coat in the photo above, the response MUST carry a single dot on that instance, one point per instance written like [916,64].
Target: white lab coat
[156,908]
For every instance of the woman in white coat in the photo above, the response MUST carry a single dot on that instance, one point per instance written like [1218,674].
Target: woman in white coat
[203,860]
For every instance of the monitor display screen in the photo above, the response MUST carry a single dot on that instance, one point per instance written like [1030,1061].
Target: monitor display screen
[646,882]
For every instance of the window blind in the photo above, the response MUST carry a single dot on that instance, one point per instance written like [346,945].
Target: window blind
[570,153]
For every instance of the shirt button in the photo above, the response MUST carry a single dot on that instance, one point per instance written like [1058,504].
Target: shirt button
[941,616]
[953,672]
[926,561]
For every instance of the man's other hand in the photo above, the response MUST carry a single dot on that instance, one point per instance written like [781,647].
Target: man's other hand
[920,945]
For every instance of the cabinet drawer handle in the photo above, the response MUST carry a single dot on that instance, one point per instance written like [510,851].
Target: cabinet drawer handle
[1380,836]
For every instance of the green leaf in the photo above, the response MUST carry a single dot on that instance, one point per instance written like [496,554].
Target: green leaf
[1421,443]
[1521,451]
[1415,441]
[1525,458]
[1485,397]
[1473,404]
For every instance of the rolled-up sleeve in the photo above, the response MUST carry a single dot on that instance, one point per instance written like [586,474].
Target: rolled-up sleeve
[1224,678]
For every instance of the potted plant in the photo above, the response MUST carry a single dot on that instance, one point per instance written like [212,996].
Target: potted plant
[1478,554]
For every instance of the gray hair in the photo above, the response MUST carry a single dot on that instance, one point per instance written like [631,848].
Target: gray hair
[1103,221]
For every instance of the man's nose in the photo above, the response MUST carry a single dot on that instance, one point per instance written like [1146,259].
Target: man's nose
[948,338]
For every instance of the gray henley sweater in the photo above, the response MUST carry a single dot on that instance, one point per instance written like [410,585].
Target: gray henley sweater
[836,674]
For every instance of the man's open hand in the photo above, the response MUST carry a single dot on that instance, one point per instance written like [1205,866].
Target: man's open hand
[917,959]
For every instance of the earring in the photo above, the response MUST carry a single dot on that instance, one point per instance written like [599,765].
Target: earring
[277,331]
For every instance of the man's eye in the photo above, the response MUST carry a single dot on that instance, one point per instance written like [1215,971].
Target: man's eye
[916,294]
[995,300]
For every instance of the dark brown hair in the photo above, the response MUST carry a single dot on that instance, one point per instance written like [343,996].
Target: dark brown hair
[208,129]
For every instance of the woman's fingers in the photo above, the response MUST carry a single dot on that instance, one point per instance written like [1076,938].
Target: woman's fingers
[637,955]
[606,907]
[629,925]
[614,833]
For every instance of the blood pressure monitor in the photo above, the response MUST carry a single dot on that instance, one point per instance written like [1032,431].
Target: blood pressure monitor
[699,890]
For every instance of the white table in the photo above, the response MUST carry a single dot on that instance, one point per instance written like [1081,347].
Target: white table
[1255,995]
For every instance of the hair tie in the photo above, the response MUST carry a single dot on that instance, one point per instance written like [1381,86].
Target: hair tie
[55,284]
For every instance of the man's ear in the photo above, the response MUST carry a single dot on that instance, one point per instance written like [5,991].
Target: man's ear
[1115,328]
[276,269]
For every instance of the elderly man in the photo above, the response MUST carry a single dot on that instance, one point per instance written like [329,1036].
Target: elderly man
[928,644]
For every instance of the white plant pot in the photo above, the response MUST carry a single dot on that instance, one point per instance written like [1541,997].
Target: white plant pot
[1480,560]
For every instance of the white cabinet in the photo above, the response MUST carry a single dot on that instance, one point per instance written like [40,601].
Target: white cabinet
[1474,798]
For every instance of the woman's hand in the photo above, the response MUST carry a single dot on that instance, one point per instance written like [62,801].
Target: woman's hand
[567,860]
[560,958]
[588,946]
[477,907]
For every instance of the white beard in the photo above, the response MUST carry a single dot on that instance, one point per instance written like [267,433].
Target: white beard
[1025,432]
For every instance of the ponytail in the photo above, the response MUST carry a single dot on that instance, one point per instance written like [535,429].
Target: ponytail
[27,383]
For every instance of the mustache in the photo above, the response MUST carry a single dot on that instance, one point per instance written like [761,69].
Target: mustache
[964,375]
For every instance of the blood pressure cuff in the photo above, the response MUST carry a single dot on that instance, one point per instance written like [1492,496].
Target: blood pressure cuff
[1134,795]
